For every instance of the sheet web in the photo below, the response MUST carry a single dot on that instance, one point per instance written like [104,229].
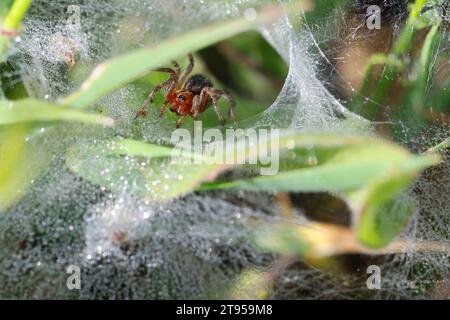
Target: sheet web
[195,246]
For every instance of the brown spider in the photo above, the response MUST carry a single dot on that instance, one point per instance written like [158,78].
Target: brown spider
[189,96]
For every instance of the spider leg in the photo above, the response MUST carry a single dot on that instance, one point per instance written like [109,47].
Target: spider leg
[215,94]
[171,82]
[142,111]
[180,122]
[169,70]
[166,70]
[187,72]
[232,110]
[199,103]
[176,66]
[195,107]
[163,108]
[176,77]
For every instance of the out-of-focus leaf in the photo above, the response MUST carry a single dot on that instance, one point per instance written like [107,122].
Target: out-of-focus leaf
[21,162]
[345,168]
[251,285]
[29,110]
[380,213]
[381,220]
[282,238]
[22,158]
[12,165]
[310,240]
[150,172]
[145,170]
[370,175]
[369,172]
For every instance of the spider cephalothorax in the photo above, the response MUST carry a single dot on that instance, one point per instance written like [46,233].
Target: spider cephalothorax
[189,96]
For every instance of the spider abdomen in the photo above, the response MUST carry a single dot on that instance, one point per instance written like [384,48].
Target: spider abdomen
[196,83]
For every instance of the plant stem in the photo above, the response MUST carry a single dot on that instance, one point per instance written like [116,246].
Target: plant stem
[11,23]
[16,14]
[441,146]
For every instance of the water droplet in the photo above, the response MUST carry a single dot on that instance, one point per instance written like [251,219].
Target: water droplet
[290,144]
[250,14]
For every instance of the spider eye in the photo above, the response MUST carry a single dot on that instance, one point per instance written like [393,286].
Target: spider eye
[182,97]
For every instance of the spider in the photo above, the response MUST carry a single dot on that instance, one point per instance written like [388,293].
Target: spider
[189,96]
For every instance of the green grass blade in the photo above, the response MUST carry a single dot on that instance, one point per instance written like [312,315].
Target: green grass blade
[423,71]
[367,172]
[332,177]
[11,23]
[12,165]
[441,146]
[21,162]
[371,175]
[29,110]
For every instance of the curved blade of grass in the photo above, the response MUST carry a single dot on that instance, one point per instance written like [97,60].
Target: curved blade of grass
[139,148]
[333,176]
[146,170]
[441,146]
[348,162]
[423,71]
[29,110]
[105,162]
[371,175]
[117,72]
[369,171]
[148,150]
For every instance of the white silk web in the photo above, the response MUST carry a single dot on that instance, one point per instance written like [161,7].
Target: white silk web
[193,247]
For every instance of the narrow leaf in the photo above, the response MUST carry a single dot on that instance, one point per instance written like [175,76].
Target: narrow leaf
[29,110]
